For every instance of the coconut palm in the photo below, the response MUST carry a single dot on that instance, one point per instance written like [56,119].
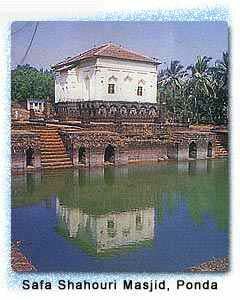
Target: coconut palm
[220,73]
[201,90]
[170,81]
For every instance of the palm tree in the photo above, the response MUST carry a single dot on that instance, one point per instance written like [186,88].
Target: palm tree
[221,70]
[201,89]
[170,81]
[220,73]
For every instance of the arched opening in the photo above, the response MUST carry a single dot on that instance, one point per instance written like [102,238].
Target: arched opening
[193,150]
[140,87]
[209,149]
[112,85]
[29,157]
[109,154]
[82,155]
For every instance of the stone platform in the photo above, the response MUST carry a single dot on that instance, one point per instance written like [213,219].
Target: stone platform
[96,133]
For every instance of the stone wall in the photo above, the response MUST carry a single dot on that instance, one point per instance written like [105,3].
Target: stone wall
[179,148]
[18,113]
[125,149]
[22,141]
[97,144]
[147,151]
[107,111]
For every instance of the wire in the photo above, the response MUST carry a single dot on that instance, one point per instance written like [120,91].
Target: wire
[20,29]
[30,44]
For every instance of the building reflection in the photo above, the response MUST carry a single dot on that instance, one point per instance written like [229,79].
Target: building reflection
[195,167]
[106,233]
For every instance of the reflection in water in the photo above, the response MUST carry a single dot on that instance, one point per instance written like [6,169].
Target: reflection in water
[108,212]
[106,232]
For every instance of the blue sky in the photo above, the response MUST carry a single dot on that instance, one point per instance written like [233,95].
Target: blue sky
[166,41]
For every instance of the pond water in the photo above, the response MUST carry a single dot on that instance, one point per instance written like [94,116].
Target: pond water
[163,217]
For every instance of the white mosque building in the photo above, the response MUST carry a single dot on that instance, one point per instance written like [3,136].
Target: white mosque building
[109,73]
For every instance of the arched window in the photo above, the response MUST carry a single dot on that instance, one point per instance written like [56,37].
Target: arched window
[112,85]
[140,91]
[109,154]
[139,221]
[82,155]
[29,157]
[209,149]
[193,150]
[140,87]
[111,88]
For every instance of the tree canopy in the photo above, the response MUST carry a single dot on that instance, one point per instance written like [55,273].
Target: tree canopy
[29,82]
[198,92]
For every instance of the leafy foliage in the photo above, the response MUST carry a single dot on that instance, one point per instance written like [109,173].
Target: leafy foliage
[29,82]
[198,93]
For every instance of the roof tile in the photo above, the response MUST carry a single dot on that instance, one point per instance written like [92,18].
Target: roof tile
[106,50]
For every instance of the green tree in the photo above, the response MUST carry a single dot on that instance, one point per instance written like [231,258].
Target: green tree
[220,73]
[201,90]
[171,85]
[29,82]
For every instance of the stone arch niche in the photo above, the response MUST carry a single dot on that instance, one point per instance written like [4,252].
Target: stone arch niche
[192,150]
[143,111]
[102,111]
[109,154]
[209,149]
[152,111]
[133,110]
[82,155]
[112,110]
[123,110]
[29,157]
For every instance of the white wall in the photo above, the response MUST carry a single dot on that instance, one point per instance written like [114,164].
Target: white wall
[89,81]
[126,231]
[72,84]
[125,228]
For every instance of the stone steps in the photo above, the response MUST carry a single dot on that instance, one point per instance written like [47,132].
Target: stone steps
[58,167]
[53,152]
[51,143]
[220,151]
[56,153]
[56,164]
[53,155]
[52,160]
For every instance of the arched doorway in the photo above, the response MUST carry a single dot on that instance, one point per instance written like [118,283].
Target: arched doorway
[29,157]
[209,149]
[193,150]
[82,155]
[109,154]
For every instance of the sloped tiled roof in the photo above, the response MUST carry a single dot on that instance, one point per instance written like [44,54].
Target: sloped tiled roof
[107,50]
